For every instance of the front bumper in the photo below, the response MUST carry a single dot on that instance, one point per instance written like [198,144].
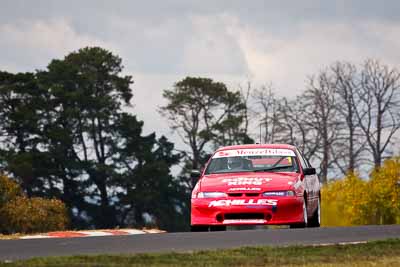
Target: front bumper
[244,211]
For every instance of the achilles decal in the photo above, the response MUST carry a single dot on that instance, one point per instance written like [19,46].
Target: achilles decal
[243,202]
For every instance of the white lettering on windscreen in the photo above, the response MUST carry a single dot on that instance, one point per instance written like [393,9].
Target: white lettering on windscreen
[254,152]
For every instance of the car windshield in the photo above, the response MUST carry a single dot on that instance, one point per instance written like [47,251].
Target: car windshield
[253,160]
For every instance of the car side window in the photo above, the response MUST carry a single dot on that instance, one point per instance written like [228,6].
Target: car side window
[308,163]
[303,162]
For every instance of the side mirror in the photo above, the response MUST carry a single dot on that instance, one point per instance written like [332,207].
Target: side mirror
[195,176]
[309,171]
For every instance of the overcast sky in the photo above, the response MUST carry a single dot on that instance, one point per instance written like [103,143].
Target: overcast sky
[163,41]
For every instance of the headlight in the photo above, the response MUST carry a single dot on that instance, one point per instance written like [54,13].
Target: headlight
[210,194]
[288,193]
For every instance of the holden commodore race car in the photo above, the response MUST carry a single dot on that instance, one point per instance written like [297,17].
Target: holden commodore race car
[257,184]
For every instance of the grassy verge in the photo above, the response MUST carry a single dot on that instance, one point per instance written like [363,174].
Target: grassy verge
[380,253]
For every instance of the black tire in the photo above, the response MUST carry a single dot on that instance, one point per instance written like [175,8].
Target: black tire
[218,228]
[315,220]
[297,226]
[303,224]
[199,228]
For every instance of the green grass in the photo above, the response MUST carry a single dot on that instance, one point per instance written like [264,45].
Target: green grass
[379,253]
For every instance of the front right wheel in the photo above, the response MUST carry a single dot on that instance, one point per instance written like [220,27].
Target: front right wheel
[315,220]
[199,228]
[217,228]
[305,218]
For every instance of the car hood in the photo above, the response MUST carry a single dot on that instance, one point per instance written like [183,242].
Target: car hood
[248,182]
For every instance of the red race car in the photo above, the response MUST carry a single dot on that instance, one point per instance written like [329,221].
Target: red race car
[256,184]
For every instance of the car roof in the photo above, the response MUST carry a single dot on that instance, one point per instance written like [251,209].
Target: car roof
[271,146]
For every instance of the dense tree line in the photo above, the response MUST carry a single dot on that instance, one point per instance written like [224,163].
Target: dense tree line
[65,134]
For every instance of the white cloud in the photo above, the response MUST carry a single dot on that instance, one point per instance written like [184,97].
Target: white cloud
[147,91]
[212,49]
[288,60]
[32,44]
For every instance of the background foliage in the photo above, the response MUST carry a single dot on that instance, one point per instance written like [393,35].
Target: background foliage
[68,132]
[354,201]
[20,214]
[65,134]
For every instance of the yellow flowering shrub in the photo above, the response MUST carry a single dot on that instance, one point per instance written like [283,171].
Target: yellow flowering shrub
[8,190]
[354,201]
[385,193]
[344,202]
[20,214]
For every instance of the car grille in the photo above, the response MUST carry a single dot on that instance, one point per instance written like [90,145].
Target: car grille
[241,194]
[252,194]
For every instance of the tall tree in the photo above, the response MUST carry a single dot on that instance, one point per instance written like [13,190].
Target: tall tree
[232,130]
[268,105]
[147,186]
[204,112]
[87,94]
[378,109]
[321,115]
[350,144]
[294,127]
[20,104]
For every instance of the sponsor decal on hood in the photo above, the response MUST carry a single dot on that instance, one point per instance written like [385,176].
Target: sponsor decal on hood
[246,181]
[244,189]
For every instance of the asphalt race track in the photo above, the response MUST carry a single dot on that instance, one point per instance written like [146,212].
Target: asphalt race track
[23,249]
